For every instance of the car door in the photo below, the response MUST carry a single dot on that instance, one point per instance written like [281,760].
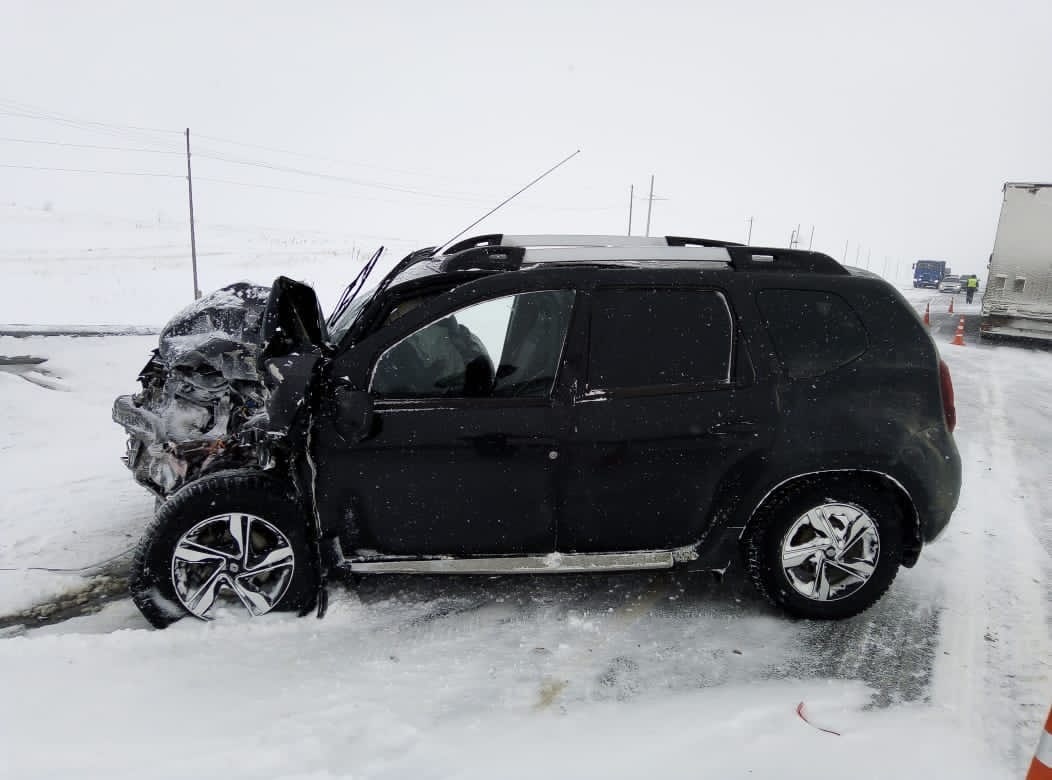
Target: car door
[665,414]
[463,460]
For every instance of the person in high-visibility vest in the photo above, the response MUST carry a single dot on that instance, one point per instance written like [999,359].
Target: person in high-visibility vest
[972,286]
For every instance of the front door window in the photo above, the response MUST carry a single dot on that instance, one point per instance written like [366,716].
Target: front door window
[501,348]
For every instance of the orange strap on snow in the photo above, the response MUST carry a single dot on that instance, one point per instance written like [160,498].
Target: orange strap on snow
[1041,766]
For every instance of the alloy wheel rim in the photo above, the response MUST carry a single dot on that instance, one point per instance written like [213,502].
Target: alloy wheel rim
[232,558]
[830,551]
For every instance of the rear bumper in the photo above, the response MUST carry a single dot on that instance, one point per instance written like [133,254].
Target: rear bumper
[943,477]
[1015,327]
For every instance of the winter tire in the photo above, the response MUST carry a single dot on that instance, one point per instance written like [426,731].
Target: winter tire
[225,543]
[826,550]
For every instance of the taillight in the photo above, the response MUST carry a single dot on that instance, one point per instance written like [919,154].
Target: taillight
[946,384]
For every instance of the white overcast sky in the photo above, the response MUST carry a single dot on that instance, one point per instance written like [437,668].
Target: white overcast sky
[891,125]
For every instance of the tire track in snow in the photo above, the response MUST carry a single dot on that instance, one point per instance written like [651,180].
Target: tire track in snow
[994,670]
[618,679]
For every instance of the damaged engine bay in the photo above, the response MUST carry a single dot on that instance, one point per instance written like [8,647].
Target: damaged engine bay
[200,390]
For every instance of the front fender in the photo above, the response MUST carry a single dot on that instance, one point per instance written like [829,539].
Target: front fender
[290,381]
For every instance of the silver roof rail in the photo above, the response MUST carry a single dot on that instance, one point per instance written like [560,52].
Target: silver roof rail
[552,241]
[597,254]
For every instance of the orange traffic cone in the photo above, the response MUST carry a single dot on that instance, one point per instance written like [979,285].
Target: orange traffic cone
[927,314]
[951,305]
[958,337]
[1041,766]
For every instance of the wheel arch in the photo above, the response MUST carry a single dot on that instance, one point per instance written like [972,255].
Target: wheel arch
[912,541]
[150,580]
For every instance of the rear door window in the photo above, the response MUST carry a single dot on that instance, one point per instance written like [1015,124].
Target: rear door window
[659,338]
[813,332]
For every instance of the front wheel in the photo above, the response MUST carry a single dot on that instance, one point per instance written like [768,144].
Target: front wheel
[224,544]
[826,551]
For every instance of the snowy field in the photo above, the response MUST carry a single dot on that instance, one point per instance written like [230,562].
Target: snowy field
[613,676]
[84,269]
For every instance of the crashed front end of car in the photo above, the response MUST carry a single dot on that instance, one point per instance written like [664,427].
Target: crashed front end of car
[227,386]
[201,392]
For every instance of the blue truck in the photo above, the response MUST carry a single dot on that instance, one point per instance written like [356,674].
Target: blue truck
[928,273]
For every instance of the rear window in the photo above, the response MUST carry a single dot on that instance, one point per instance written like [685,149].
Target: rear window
[813,332]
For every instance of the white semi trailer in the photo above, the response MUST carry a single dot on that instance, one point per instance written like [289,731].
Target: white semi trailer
[1017,301]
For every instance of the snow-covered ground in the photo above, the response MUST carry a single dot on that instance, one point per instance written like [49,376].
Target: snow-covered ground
[83,269]
[569,676]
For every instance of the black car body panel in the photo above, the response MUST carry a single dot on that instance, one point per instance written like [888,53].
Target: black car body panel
[587,471]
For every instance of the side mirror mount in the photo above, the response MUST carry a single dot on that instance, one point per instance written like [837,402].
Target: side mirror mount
[355,416]
[292,321]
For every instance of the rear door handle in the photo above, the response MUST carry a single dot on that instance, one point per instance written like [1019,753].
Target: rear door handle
[733,427]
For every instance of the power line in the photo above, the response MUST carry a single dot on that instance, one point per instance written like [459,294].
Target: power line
[251,185]
[323,158]
[92,170]
[23,110]
[260,164]
[87,146]
[13,108]
[344,179]
[343,235]
[28,111]
[117,134]
[254,185]
[183,176]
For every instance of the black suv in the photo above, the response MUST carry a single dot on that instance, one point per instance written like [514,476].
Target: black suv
[528,404]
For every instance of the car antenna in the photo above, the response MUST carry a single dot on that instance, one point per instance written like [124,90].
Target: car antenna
[506,201]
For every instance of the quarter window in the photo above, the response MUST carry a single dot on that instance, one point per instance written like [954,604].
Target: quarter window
[659,337]
[502,348]
[813,332]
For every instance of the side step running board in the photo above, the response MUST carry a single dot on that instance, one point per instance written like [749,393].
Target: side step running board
[556,563]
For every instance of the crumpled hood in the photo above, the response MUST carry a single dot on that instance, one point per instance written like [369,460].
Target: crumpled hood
[220,329]
[198,389]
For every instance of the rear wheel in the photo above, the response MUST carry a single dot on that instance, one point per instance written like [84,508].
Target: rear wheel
[827,550]
[224,544]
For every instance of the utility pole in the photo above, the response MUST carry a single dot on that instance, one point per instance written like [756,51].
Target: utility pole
[811,240]
[869,253]
[193,237]
[650,202]
[748,239]
[858,253]
[844,258]
[794,238]
[631,197]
